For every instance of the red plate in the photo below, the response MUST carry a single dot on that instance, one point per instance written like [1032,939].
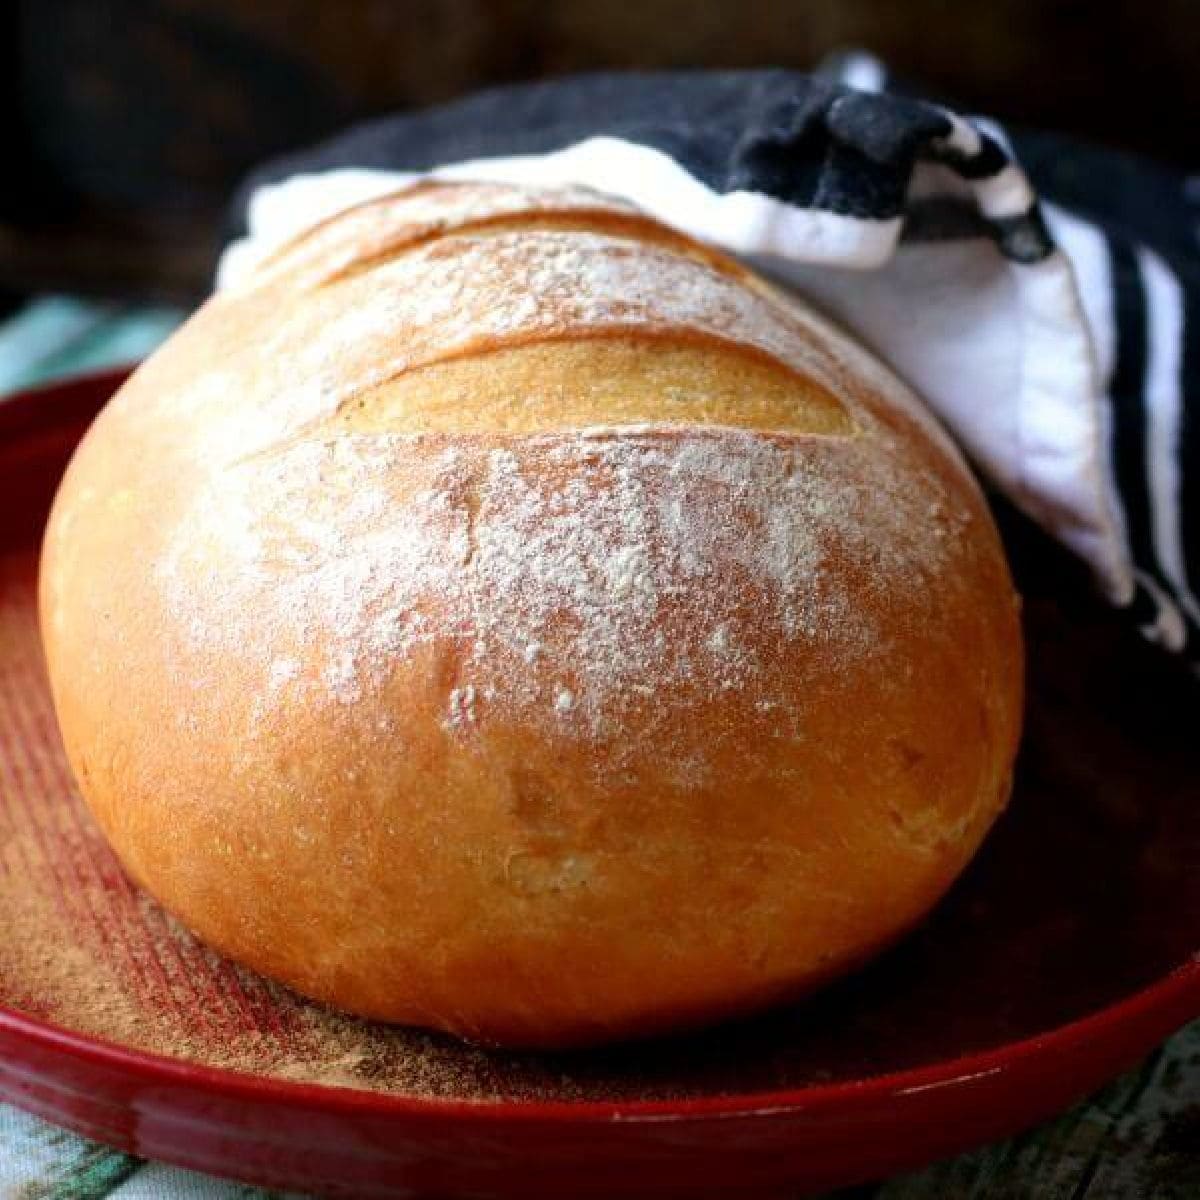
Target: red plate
[1066,953]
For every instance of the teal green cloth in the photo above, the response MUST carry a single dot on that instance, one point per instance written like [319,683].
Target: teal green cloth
[1139,1139]
[62,335]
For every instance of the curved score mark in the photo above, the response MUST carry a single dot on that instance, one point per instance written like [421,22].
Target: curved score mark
[613,378]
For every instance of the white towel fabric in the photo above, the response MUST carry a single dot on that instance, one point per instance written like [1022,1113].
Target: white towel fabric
[1049,337]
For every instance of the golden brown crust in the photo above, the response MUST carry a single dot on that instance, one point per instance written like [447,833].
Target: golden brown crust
[543,730]
[569,383]
[380,230]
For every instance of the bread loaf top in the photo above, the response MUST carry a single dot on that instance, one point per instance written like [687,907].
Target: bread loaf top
[488,542]
[356,439]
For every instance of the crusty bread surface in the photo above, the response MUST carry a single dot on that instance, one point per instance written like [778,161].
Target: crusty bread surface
[505,615]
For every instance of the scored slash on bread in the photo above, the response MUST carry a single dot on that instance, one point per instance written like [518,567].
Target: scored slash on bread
[504,614]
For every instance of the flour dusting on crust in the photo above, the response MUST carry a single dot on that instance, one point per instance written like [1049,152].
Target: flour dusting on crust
[568,581]
[416,213]
[572,580]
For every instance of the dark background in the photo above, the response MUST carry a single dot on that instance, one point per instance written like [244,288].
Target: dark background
[127,121]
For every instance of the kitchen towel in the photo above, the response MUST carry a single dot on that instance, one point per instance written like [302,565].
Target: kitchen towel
[1042,296]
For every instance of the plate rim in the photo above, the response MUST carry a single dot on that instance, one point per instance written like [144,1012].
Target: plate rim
[1137,1021]
[1163,1006]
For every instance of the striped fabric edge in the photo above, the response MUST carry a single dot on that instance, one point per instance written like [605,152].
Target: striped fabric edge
[757,225]
[1137,311]
[1103,423]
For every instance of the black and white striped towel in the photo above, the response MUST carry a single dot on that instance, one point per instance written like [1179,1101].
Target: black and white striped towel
[1053,325]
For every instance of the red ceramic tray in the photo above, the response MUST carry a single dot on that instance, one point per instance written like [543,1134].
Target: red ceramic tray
[1064,955]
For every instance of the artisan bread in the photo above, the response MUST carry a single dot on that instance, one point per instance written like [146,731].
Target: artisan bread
[505,615]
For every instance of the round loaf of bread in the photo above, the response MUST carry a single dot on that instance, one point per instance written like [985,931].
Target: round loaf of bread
[502,614]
